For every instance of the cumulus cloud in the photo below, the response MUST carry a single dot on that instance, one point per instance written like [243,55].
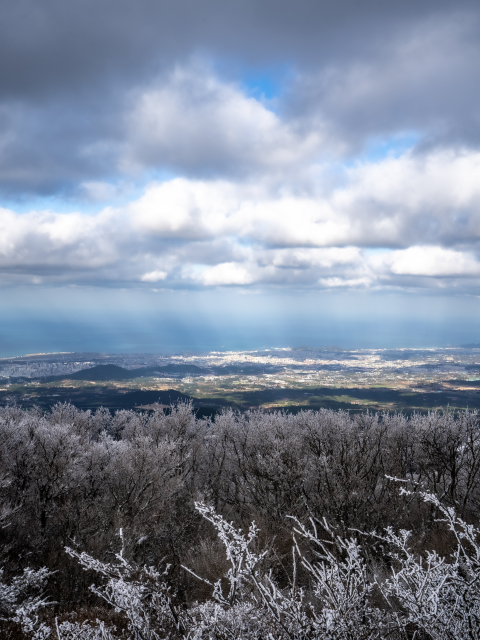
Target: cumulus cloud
[201,181]
[154,276]
[85,101]
[434,262]
[228,273]
[58,247]
[412,221]
[195,123]
[425,199]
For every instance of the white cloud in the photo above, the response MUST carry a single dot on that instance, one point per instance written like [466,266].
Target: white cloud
[194,122]
[154,276]
[429,200]
[186,208]
[434,262]
[337,283]
[227,273]
[325,258]
[70,241]
[441,182]
[424,210]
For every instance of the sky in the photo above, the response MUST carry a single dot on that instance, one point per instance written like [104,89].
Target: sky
[193,174]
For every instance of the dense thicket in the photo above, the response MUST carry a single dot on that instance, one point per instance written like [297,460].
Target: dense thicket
[76,479]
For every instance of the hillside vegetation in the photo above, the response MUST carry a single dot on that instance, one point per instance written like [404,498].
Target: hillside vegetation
[105,372]
[139,525]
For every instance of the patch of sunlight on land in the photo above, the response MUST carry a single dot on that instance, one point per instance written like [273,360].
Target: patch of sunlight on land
[380,380]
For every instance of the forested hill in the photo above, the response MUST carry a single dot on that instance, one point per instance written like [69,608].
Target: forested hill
[101,372]
[114,372]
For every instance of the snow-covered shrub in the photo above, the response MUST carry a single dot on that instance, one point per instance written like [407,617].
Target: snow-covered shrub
[339,609]
[83,631]
[431,597]
[438,595]
[342,585]
[140,593]
[22,598]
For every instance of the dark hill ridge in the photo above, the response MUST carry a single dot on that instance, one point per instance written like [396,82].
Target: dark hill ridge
[104,372]
[177,368]
[134,398]
[100,372]
[86,398]
[465,383]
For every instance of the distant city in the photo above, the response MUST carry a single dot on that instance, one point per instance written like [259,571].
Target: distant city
[284,378]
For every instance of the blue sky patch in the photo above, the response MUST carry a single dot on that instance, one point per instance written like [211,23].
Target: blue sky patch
[379,148]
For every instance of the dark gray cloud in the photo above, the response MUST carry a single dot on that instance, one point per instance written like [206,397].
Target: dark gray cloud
[59,46]
[425,79]
[49,148]
[68,71]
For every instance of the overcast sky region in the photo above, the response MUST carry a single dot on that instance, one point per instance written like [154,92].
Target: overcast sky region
[183,166]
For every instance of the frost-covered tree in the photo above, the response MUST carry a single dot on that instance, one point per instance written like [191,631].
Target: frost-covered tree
[74,478]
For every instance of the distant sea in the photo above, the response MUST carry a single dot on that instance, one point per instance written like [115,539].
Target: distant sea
[24,336]
[34,320]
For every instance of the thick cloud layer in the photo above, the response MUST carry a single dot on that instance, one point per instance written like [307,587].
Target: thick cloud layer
[403,222]
[252,144]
